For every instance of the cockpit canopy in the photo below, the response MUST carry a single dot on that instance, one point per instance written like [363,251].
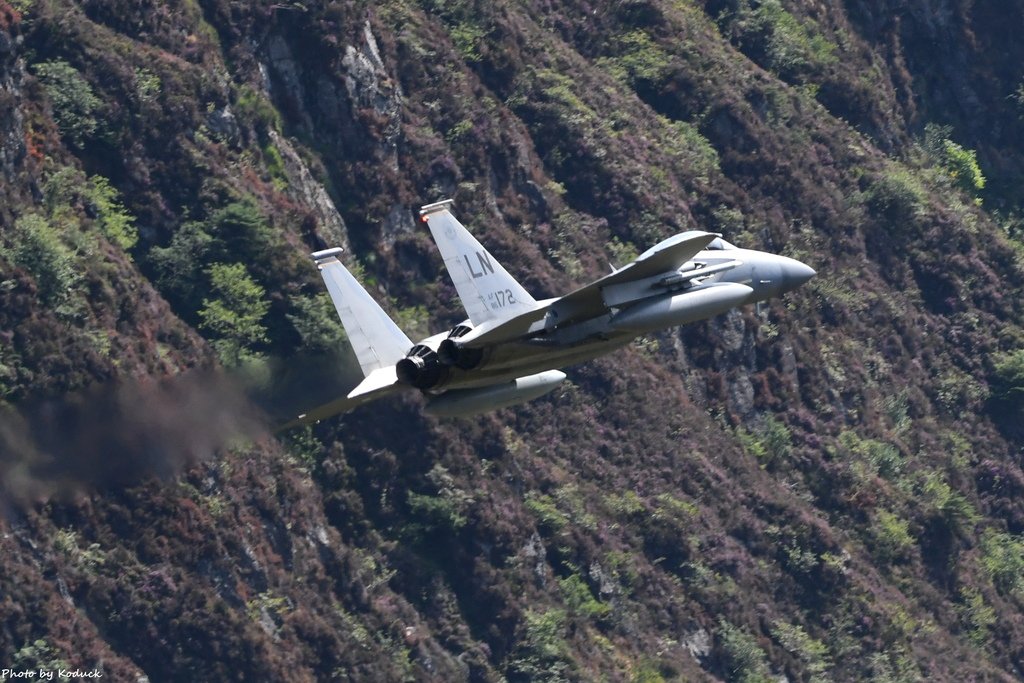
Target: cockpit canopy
[718,244]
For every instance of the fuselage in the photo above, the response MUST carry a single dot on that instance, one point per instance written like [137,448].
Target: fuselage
[757,276]
[511,347]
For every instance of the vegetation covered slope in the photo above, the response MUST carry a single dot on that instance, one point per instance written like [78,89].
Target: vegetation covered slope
[827,487]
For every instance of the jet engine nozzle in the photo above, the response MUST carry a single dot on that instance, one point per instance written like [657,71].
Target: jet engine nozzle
[409,369]
[449,352]
[421,368]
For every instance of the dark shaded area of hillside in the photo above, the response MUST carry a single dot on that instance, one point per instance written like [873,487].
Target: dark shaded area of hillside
[825,488]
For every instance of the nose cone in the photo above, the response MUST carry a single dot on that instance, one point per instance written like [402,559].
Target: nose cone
[795,273]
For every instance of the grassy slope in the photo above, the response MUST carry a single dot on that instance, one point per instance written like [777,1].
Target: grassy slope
[815,488]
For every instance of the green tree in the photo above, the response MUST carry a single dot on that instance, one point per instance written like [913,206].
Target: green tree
[316,320]
[235,315]
[235,232]
[180,265]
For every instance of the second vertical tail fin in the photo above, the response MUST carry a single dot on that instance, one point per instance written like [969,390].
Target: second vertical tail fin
[487,291]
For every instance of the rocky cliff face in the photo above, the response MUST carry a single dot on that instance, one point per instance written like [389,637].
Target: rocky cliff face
[826,487]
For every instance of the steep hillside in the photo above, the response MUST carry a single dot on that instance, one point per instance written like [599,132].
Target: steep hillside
[825,488]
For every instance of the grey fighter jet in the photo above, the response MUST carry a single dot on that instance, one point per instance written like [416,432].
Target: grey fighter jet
[511,346]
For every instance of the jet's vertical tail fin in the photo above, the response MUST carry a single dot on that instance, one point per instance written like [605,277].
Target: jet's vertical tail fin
[487,291]
[376,339]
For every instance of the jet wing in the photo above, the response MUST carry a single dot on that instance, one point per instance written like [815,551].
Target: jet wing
[378,384]
[587,301]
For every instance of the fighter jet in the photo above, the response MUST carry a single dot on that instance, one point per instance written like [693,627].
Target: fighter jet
[510,347]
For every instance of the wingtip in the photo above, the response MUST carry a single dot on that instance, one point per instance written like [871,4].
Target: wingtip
[325,254]
[428,209]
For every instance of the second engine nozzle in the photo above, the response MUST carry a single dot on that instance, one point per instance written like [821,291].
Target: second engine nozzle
[420,369]
[409,369]
[450,353]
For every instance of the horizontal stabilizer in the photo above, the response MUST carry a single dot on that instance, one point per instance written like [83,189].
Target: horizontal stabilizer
[378,384]
[379,379]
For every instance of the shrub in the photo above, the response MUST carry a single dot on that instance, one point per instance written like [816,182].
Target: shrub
[745,661]
[885,458]
[946,503]
[550,519]
[580,600]
[75,105]
[1007,379]
[957,391]
[956,161]
[38,655]
[1002,556]
[977,616]
[621,253]
[274,163]
[891,534]
[435,512]
[770,443]
[543,654]
[788,45]
[467,39]
[147,85]
[67,187]
[114,220]
[813,653]
[687,144]
[268,610]
[445,511]
[90,559]
[896,408]
[962,166]
[640,61]
[896,195]
[253,107]
[625,505]
[37,247]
